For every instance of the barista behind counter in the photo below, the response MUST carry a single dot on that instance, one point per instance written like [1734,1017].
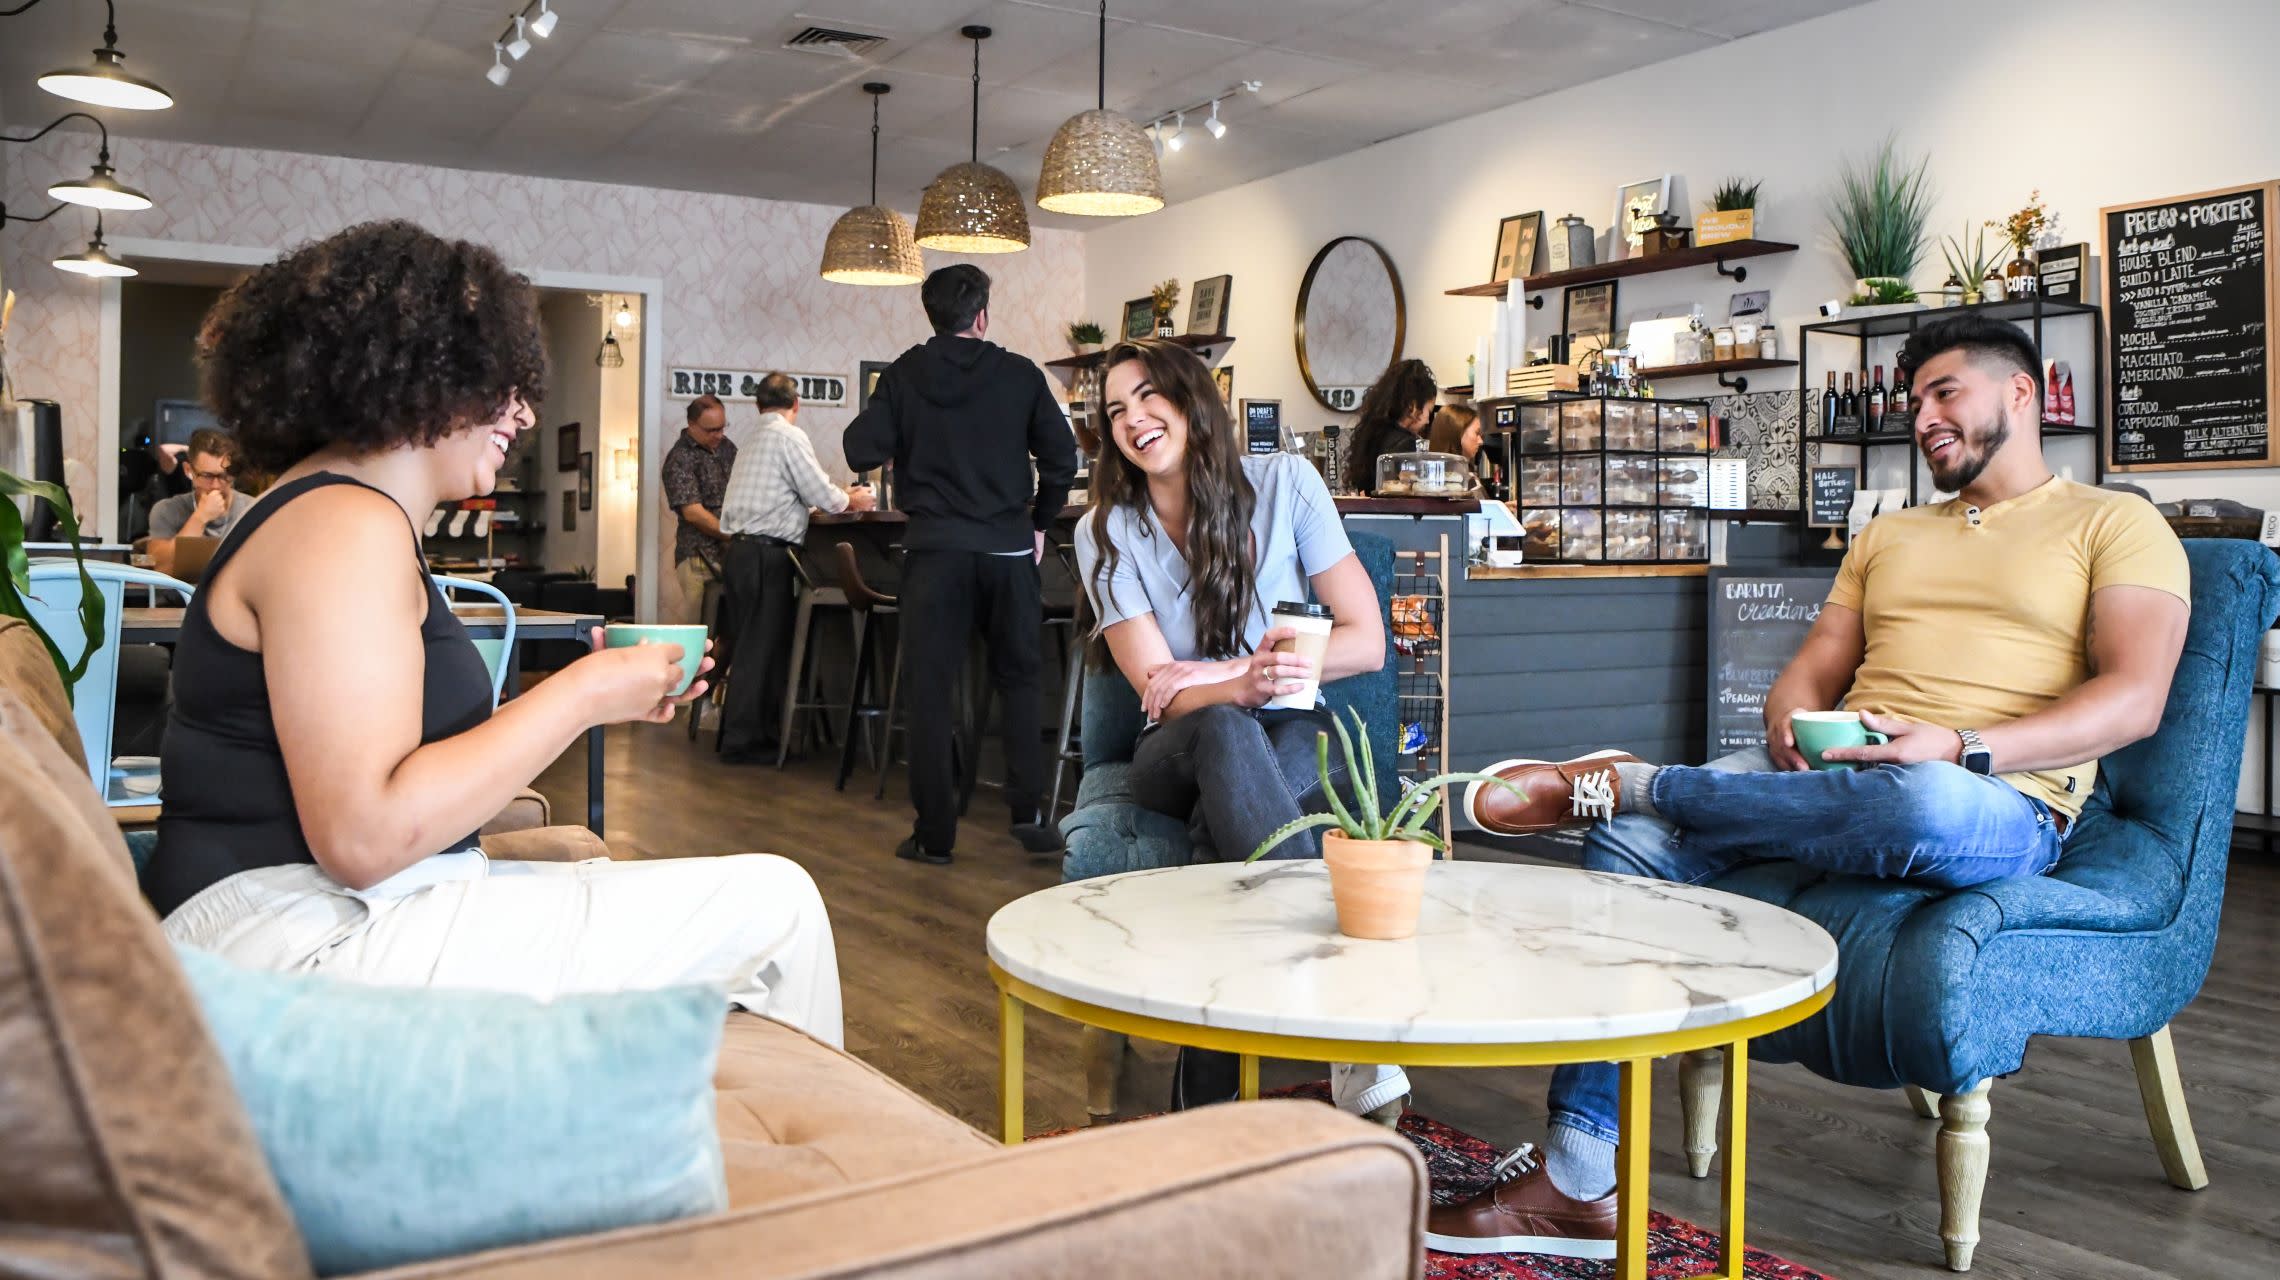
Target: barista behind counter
[1393,417]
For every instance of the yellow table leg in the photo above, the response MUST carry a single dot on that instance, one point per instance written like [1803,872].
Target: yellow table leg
[1737,1157]
[1247,1078]
[1631,1153]
[1009,1066]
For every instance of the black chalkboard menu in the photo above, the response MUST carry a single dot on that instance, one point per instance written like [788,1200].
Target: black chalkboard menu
[2188,284]
[1830,497]
[1757,622]
[1262,425]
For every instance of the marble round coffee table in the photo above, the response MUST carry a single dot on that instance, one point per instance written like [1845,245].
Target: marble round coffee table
[1511,966]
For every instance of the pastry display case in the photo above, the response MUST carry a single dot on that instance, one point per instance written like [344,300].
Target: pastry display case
[1607,478]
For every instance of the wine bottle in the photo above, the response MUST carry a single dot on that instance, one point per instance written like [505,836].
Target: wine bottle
[1899,406]
[1848,405]
[1829,407]
[1876,402]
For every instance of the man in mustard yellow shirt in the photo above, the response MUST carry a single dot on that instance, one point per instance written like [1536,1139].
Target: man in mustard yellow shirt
[2005,639]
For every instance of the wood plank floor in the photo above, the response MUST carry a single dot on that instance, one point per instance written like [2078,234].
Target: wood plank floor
[1841,1178]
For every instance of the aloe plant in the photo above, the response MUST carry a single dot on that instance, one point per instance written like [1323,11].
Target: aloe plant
[1735,193]
[1880,214]
[1084,331]
[1883,292]
[1404,821]
[1971,265]
[16,579]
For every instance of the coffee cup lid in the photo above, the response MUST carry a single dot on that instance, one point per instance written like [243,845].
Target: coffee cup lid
[1304,609]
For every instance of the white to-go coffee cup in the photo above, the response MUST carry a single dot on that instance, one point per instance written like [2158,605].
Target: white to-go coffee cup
[1312,623]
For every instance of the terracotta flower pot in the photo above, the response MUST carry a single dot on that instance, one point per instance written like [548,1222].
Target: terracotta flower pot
[1378,884]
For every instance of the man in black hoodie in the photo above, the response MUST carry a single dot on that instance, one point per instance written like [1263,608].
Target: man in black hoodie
[961,419]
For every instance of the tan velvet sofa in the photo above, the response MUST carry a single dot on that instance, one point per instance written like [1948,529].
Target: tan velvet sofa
[129,1154]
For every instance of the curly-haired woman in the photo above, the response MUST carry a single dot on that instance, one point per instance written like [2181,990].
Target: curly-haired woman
[1394,415]
[1189,543]
[333,748]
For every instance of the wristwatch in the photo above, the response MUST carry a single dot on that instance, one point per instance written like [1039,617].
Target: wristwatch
[1976,757]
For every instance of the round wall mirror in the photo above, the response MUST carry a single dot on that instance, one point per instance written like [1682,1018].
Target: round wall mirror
[1351,321]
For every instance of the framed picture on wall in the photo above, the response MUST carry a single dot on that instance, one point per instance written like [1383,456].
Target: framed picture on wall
[569,511]
[1140,318]
[1516,238]
[1207,308]
[1224,375]
[867,381]
[586,481]
[1587,317]
[566,447]
[1636,204]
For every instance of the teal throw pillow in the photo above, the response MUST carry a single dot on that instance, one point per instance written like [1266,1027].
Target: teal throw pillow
[406,1123]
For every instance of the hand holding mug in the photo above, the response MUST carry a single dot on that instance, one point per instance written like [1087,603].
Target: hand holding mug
[1896,741]
[639,674]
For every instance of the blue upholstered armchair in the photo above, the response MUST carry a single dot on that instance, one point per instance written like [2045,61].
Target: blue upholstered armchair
[1108,833]
[1939,992]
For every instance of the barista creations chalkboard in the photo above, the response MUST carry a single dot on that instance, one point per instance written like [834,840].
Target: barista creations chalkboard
[2189,293]
[1757,622]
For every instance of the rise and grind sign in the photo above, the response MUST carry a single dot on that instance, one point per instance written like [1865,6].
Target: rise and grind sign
[2189,290]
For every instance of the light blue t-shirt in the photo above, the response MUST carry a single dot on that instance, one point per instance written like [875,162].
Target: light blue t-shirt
[1294,526]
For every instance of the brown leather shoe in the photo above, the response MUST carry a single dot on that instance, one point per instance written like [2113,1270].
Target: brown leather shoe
[1524,1213]
[1552,795]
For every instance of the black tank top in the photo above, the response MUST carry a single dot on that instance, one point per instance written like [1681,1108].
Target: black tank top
[227,805]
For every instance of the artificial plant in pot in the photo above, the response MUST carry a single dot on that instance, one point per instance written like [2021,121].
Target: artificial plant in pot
[1085,337]
[1166,296]
[1970,262]
[1733,213]
[1880,214]
[1377,860]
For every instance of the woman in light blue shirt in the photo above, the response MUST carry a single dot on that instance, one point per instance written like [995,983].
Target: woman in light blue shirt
[1188,545]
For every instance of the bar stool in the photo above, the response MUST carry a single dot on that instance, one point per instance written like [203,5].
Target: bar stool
[872,611]
[708,613]
[1068,751]
[803,684]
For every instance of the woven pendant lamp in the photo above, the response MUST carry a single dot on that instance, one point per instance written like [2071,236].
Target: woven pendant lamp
[872,244]
[1100,164]
[973,208]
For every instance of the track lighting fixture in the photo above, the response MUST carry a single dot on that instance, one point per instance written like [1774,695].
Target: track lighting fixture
[542,26]
[519,47]
[1176,136]
[499,70]
[514,42]
[1217,127]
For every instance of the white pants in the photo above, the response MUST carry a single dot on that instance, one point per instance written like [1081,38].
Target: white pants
[752,925]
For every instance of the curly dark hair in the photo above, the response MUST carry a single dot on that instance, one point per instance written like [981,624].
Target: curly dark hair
[382,336]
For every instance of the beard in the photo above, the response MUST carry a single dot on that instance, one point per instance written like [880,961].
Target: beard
[1975,448]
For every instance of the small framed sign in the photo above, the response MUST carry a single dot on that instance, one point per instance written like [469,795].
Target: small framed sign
[1224,375]
[1140,318]
[1207,306]
[1262,426]
[1829,496]
[2060,271]
[1516,238]
[586,481]
[566,446]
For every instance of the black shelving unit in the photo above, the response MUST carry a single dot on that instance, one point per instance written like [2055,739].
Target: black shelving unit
[2032,311]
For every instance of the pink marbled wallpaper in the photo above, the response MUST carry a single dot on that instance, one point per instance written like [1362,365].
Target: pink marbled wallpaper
[740,274]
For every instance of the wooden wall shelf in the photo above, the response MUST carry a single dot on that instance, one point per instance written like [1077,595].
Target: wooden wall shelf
[1717,255]
[1192,341]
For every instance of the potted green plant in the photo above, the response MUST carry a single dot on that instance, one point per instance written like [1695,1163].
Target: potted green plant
[1377,861]
[1880,214]
[1970,261]
[1733,213]
[1167,296]
[1085,337]
[16,579]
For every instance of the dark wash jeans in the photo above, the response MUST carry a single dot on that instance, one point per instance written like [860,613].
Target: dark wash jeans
[1238,775]
[1935,823]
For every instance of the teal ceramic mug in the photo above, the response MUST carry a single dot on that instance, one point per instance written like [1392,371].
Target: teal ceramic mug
[1818,731]
[691,638]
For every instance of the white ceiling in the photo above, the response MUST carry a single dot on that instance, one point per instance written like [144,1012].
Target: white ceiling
[700,95]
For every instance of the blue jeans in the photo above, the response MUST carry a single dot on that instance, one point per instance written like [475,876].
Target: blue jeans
[1935,824]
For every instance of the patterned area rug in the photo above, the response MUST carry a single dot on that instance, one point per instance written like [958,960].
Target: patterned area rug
[1459,1164]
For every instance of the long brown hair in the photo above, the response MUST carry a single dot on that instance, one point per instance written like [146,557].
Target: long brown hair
[1399,392]
[1222,575]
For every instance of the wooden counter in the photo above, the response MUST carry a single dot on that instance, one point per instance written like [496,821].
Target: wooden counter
[1346,507]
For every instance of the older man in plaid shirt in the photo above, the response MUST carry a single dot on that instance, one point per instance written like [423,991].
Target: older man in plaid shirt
[774,484]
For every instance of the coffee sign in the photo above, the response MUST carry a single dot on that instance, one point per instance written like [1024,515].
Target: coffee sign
[817,390]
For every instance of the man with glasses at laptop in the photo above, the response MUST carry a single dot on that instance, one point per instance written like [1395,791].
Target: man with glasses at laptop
[209,510]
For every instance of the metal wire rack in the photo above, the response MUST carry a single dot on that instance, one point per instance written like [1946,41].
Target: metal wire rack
[1420,608]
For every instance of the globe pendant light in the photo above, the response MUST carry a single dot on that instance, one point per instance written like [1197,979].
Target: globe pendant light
[1100,164]
[871,244]
[105,82]
[973,208]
